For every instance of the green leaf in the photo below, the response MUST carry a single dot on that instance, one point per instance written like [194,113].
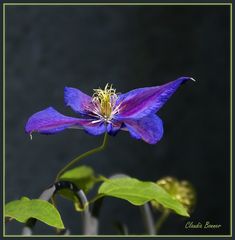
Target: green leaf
[23,209]
[139,192]
[82,176]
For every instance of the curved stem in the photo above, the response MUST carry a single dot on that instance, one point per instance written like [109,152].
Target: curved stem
[162,219]
[148,219]
[84,155]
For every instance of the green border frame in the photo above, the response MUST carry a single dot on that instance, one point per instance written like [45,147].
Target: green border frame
[110,4]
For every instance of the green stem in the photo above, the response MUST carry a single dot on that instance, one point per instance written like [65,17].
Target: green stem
[84,155]
[162,219]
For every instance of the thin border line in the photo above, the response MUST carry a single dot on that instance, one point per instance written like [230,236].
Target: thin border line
[122,236]
[115,4]
[4,112]
[231,117]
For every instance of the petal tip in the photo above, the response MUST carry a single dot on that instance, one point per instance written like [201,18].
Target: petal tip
[184,79]
[66,88]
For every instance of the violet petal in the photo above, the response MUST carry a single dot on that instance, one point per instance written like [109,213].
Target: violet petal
[77,100]
[148,128]
[114,127]
[144,101]
[49,121]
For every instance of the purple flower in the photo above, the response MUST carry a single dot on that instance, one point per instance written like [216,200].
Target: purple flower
[106,110]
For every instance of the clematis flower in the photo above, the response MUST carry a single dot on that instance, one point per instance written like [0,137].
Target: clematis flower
[107,111]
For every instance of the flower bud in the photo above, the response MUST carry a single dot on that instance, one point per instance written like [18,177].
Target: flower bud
[182,191]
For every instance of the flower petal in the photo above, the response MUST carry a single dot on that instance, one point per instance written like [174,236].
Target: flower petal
[114,127]
[144,101]
[49,121]
[77,100]
[149,128]
[91,127]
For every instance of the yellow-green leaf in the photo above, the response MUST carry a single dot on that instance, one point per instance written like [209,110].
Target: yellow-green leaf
[139,192]
[23,209]
[82,176]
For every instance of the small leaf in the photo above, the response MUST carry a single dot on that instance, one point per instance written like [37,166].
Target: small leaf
[24,198]
[82,176]
[23,209]
[67,194]
[139,192]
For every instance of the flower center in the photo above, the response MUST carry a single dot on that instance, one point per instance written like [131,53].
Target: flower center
[104,101]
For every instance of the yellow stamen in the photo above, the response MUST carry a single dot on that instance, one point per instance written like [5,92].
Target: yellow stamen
[104,100]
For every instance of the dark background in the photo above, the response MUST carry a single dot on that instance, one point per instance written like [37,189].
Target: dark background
[50,47]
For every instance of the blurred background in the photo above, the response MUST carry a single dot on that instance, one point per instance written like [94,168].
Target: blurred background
[50,47]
